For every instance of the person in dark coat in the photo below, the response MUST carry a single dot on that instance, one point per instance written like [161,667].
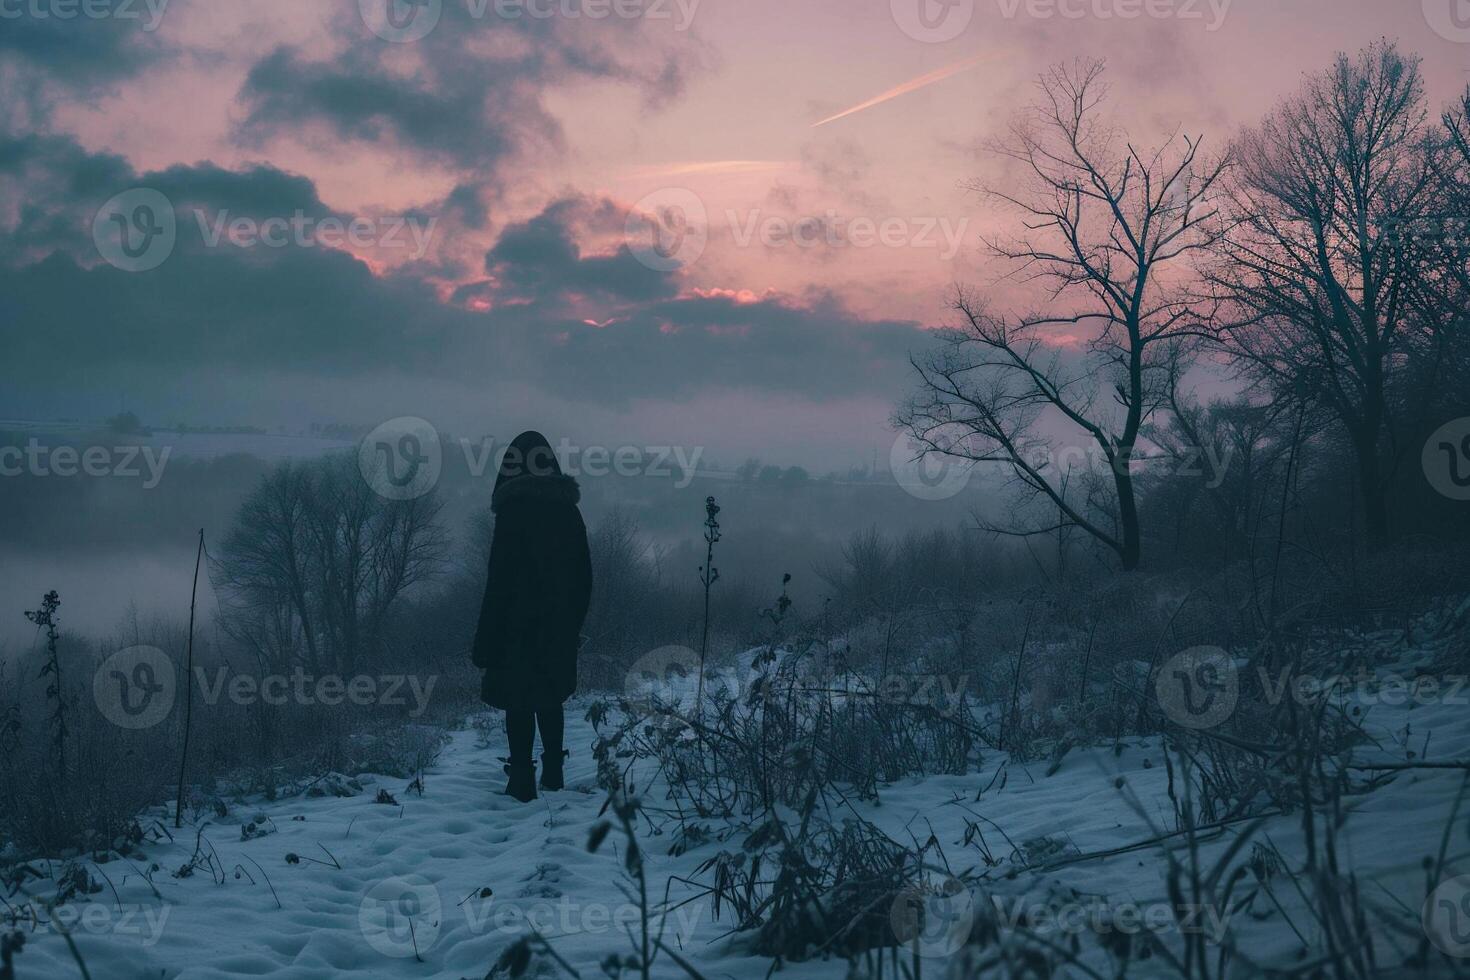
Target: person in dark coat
[536,597]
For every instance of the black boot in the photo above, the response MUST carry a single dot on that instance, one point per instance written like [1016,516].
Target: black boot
[552,777]
[522,780]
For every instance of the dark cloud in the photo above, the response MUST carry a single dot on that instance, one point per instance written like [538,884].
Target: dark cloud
[322,312]
[540,260]
[465,122]
[314,309]
[474,98]
[467,204]
[256,191]
[54,179]
[598,328]
[46,60]
[62,185]
[82,50]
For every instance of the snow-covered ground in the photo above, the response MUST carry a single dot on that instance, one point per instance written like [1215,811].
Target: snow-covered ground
[439,884]
[409,897]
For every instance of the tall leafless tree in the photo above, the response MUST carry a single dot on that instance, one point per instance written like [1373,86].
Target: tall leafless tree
[1457,125]
[1453,237]
[1109,232]
[316,562]
[1320,269]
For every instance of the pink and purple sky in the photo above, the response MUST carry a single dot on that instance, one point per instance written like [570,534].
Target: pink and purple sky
[822,147]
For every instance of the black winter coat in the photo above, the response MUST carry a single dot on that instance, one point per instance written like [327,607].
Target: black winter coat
[536,594]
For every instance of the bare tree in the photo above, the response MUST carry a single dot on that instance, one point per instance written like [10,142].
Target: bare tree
[1253,463]
[1457,124]
[316,562]
[1110,231]
[265,575]
[1452,238]
[1324,283]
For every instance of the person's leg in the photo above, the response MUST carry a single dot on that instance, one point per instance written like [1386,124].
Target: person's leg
[551,720]
[520,731]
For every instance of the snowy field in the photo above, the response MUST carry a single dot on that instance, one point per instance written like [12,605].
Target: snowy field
[440,884]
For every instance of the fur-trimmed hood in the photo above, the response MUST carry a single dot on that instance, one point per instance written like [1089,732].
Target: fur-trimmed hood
[554,488]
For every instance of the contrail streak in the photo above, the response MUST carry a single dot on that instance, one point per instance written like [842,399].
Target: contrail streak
[913,85]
